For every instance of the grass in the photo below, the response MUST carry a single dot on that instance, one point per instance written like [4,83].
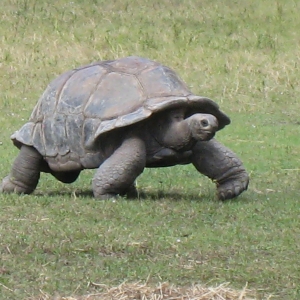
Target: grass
[244,55]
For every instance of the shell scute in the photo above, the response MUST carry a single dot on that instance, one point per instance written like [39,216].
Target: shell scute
[48,101]
[74,133]
[77,90]
[131,65]
[162,82]
[89,128]
[55,136]
[38,138]
[116,94]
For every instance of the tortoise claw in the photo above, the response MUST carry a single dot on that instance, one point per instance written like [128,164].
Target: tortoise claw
[233,187]
[7,186]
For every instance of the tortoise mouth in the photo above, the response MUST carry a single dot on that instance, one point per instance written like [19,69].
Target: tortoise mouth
[204,135]
[210,135]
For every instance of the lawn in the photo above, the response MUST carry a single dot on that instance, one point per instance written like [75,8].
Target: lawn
[245,55]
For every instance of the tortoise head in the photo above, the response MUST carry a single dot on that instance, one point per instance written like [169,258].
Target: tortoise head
[202,127]
[173,129]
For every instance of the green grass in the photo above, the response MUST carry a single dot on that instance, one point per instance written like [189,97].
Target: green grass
[243,54]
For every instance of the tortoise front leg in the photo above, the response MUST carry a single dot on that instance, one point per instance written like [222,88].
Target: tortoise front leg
[220,164]
[25,172]
[117,174]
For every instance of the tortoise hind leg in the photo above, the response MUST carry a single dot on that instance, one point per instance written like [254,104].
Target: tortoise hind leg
[117,174]
[25,172]
[220,164]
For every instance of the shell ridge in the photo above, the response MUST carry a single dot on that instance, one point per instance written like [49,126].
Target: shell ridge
[95,63]
[88,102]
[142,86]
[39,126]
[93,91]
[59,92]
[126,120]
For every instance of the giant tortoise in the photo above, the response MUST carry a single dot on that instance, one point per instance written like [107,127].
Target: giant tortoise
[120,116]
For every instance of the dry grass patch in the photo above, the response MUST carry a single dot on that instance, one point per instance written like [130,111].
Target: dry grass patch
[130,291]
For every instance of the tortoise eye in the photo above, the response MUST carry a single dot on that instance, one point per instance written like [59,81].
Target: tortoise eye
[204,123]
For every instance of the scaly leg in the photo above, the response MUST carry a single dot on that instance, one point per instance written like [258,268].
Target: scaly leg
[220,164]
[25,172]
[117,174]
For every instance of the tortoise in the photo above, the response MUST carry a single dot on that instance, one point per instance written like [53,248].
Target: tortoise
[120,116]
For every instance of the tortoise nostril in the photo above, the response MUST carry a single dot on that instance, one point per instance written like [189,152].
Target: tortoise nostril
[204,123]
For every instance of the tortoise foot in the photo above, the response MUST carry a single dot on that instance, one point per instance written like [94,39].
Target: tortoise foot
[107,196]
[10,186]
[131,192]
[233,187]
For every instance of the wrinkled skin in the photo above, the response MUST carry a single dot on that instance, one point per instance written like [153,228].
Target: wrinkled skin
[165,140]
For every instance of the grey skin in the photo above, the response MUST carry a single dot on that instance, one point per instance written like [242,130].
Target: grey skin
[169,141]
